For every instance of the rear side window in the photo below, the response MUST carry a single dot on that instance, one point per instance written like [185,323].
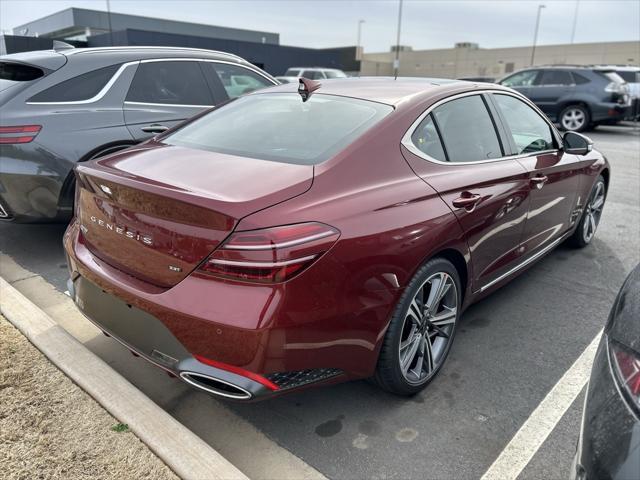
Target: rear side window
[579,79]
[82,87]
[170,83]
[529,131]
[425,137]
[280,127]
[467,130]
[238,80]
[556,77]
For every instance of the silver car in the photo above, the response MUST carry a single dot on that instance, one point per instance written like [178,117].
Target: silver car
[67,106]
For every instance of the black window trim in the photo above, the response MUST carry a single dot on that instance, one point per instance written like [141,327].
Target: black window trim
[407,142]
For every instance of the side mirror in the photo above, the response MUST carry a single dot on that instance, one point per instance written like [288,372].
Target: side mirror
[577,144]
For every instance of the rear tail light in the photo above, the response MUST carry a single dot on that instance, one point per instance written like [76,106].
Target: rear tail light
[18,134]
[627,368]
[270,255]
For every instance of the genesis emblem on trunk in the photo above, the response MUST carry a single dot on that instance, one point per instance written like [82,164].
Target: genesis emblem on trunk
[120,230]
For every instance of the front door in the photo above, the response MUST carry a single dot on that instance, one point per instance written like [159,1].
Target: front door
[553,175]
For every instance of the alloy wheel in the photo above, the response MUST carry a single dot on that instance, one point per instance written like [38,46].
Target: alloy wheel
[573,119]
[428,328]
[593,211]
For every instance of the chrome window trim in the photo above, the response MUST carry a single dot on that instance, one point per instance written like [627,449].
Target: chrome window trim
[118,72]
[97,96]
[129,102]
[409,145]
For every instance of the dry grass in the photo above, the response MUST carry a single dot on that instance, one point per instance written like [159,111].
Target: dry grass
[50,428]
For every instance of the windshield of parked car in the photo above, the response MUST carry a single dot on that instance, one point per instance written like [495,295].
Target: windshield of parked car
[334,74]
[629,76]
[281,127]
[14,73]
[292,72]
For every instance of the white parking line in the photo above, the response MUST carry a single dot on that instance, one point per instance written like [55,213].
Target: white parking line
[532,434]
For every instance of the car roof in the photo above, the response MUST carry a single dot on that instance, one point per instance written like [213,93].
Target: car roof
[387,90]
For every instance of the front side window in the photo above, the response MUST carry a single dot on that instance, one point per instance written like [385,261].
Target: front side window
[521,79]
[467,130]
[170,83]
[426,139]
[280,127]
[556,77]
[82,87]
[238,80]
[530,132]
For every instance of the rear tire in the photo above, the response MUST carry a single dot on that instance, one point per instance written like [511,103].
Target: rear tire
[590,219]
[421,330]
[575,118]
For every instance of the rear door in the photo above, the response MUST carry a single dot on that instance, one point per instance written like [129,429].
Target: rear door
[164,93]
[550,86]
[457,150]
[553,175]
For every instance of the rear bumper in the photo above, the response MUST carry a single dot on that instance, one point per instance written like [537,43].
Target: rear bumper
[31,180]
[248,336]
[609,112]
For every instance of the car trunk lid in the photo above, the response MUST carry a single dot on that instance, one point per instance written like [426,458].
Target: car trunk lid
[157,211]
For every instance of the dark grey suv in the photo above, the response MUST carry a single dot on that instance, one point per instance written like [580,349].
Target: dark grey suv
[575,97]
[58,108]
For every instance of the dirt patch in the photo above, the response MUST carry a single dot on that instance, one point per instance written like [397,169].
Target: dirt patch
[51,428]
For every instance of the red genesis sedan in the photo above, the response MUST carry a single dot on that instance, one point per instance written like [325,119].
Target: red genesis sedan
[310,234]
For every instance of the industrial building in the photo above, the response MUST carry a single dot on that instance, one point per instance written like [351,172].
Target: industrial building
[92,28]
[469,60]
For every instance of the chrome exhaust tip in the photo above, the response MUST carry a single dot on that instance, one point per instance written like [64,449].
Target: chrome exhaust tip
[215,386]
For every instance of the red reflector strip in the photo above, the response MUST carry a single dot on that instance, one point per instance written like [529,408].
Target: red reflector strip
[7,140]
[238,371]
[21,129]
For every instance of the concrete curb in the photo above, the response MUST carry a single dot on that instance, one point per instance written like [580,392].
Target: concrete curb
[184,452]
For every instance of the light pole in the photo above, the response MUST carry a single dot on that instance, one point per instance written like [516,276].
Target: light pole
[535,33]
[396,62]
[360,22]
[109,19]
[575,21]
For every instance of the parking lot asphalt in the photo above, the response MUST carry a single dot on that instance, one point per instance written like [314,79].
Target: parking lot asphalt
[510,350]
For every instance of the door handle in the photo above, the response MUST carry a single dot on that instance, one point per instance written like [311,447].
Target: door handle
[155,128]
[539,181]
[467,201]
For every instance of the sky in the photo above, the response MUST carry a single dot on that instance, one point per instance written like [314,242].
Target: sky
[426,24]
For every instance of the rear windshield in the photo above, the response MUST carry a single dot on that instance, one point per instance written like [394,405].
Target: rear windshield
[281,127]
[15,73]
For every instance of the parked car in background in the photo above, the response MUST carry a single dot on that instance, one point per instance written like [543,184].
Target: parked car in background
[312,73]
[609,445]
[319,232]
[68,106]
[631,75]
[575,97]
